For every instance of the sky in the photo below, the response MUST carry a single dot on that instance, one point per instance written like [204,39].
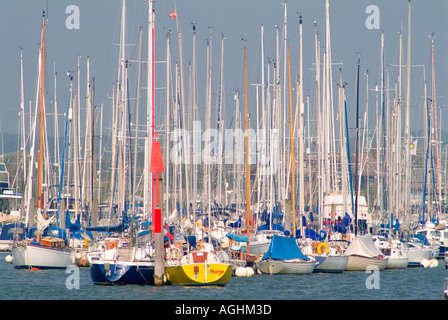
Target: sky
[240,24]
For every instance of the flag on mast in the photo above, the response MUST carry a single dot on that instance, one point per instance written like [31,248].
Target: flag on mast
[173,14]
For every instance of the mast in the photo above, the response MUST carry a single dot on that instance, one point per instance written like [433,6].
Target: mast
[87,172]
[22,113]
[29,220]
[381,146]
[208,122]
[121,101]
[40,203]
[56,127]
[76,107]
[264,116]
[185,141]
[301,132]
[293,193]
[283,158]
[247,157]
[439,182]
[148,181]
[327,99]
[356,161]
[342,144]
[398,130]
[167,177]
[137,108]
[194,107]
[408,117]
[221,125]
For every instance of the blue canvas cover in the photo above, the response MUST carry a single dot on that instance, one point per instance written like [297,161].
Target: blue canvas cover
[236,224]
[309,233]
[283,248]
[237,237]
[275,226]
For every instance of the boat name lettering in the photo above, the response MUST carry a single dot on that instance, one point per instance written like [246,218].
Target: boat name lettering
[219,272]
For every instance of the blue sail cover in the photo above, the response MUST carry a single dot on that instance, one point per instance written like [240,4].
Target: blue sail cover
[283,248]
[274,226]
[237,237]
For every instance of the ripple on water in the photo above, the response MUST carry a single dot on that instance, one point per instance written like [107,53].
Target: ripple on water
[406,284]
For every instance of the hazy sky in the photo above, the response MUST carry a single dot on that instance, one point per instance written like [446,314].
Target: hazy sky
[99,34]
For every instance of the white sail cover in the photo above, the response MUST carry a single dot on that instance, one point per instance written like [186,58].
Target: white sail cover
[363,246]
[43,223]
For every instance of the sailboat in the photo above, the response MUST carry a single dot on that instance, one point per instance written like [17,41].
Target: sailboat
[395,250]
[203,266]
[132,262]
[45,246]
[362,252]
[430,227]
[10,219]
[283,257]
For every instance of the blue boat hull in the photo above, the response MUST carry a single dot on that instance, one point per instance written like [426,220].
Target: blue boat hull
[122,273]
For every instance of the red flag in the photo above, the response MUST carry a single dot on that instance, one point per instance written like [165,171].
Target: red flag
[173,14]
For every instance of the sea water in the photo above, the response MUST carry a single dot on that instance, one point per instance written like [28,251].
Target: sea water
[404,284]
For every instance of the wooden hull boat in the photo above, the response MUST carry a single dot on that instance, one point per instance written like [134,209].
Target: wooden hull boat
[361,263]
[293,266]
[331,263]
[34,255]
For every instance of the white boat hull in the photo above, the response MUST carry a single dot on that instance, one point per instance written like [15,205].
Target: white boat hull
[237,264]
[259,248]
[417,255]
[361,263]
[42,257]
[270,266]
[298,267]
[397,262]
[6,245]
[332,264]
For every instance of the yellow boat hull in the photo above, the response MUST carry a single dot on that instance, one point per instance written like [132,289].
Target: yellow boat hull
[199,274]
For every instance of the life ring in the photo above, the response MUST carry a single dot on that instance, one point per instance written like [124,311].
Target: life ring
[198,224]
[319,248]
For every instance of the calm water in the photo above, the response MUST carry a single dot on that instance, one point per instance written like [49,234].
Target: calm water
[406,284]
